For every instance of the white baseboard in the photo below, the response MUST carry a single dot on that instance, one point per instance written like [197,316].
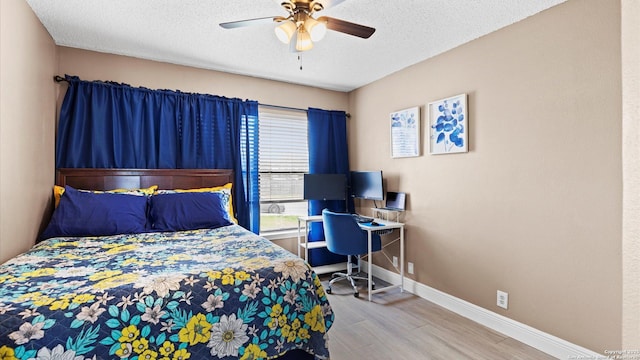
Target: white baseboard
[526,334]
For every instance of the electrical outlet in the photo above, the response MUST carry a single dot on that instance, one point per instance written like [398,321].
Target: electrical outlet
[503,299]
[410,268]
[395,261]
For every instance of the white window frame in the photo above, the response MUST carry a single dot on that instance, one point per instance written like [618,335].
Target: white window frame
[267,114]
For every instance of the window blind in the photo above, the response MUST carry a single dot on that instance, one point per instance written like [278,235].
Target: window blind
[283,154]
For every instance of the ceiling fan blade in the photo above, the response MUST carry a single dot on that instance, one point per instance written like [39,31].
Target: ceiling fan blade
[248,22]
[347,27]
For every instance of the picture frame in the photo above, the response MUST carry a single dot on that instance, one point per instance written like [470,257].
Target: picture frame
[405,132]
[448,125]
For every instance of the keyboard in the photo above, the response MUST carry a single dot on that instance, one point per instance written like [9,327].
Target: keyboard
[361,219]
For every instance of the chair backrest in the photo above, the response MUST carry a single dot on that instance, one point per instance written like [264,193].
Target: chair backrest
[342,233]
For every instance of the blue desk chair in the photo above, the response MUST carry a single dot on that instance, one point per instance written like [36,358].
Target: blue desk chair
[345,237]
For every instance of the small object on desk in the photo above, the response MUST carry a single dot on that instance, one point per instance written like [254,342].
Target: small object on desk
[361,219]
[373,223]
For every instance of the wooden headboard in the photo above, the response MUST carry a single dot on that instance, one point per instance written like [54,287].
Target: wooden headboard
[109,179]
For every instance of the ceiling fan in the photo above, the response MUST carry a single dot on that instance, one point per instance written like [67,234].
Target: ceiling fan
[300,29]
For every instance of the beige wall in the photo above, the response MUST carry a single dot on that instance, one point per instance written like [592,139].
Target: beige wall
[631,179]
[27,116]
[534,208]
[89,65]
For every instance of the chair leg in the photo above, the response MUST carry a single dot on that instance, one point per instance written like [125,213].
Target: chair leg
[353,284]
[366,279]
[339,277]
[339,274]
[349,275]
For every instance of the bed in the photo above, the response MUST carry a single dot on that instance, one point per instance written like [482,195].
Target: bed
[219,292]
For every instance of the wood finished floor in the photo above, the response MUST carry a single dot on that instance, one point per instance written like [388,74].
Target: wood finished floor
[404,326]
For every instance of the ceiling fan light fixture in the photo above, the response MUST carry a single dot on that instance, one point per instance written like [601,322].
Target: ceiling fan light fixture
[317,29]
[303,40]
[285,31]
[299,29]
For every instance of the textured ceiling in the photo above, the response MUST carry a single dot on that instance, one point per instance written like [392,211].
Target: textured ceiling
[186,32]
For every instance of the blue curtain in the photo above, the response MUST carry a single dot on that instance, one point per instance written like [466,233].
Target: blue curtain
[111,125]
[328,154]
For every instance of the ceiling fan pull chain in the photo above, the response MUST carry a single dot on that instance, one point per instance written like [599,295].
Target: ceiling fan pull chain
[300,61]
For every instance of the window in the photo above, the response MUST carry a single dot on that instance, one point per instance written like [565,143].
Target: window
[283,161]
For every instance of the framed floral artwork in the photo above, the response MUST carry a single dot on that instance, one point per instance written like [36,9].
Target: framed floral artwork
[405,133]
[448,125]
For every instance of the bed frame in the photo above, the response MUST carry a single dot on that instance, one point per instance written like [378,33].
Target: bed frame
[109,179]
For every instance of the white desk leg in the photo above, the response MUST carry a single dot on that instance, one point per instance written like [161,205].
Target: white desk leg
[306,241]
[402,259]
[298,237]
[369,262]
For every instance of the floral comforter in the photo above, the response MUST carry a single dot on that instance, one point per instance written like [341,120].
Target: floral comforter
[205,294]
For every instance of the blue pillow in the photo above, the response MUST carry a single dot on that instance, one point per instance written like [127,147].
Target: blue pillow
[83,213]
[187,211]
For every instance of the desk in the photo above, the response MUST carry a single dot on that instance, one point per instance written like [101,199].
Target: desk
[306,245]
[307,220]
[384,225]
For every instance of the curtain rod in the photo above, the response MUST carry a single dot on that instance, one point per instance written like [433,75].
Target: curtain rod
[289,108]
[282,107]
[58,78]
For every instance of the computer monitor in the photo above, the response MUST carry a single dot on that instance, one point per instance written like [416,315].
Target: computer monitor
[367,185]
[325,186]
